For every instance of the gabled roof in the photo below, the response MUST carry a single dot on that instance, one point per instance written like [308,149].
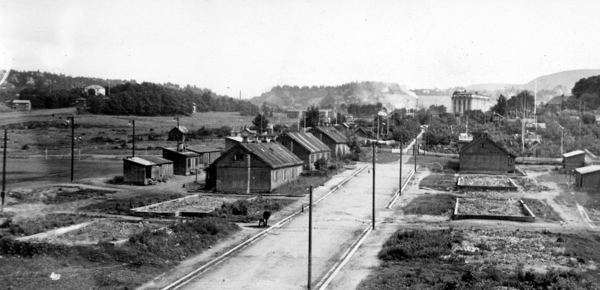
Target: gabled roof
[202,149]
[333,133]
[273,155]
[235,138]
[588,169]
[573,153]
[148,160]
[308,141]
[183,153]
[489,140]
[181,129]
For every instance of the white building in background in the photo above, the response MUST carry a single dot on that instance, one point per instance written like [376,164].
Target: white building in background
[95,90]
[468,101]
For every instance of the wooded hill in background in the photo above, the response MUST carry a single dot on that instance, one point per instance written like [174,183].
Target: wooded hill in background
[49,91]
[150,99]
[330,96]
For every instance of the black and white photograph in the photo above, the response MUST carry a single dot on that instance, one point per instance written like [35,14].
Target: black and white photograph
[299,144]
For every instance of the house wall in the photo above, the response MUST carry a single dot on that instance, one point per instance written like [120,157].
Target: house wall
[574,162]
[328,141]
[590,181]
[488,159]
[134,173]
[298,150]
[209,157]
[231,175]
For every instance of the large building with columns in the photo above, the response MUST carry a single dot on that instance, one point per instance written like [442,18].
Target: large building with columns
[467,101]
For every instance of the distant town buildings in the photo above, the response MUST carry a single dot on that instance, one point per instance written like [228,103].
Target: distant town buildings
[463,101]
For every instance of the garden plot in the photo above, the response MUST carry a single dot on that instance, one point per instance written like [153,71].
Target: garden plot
[534,250]
[194,205]
[96,232]
[502,209]
[473,182]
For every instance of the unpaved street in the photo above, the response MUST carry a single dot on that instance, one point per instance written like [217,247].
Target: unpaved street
[279,260]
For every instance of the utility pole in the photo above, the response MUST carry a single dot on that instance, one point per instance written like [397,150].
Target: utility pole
[373,186]
[133,147]
[400,178]
[310,210]
[249,174]
[72,147]
[415,152]
[4,172]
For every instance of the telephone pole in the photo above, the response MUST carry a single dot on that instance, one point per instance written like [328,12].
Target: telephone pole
[72,147]
[3,193]
[373,186]
[310,210]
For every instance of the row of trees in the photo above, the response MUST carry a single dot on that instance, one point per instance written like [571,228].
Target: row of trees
[44,99]
[149,99]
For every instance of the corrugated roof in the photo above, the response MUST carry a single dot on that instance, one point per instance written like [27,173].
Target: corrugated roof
[588,169]
[139,161]
[333,133]
[274,155]
[202,149]
[573,153]
[157,160]
[485,136]
[148,160]
[185,153]
[308,142]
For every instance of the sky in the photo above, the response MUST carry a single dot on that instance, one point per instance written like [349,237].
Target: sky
[251,46]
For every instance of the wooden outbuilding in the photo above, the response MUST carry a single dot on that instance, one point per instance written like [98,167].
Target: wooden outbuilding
[588,178]
[207,154]
[140,170]
[306,146]
[184,161]
[178,134]
[253,167]
[334,139]
[483,155]
[573,159]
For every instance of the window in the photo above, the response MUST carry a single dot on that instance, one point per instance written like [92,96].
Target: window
[284,173]
[483,145]
[510,160]
[238,157]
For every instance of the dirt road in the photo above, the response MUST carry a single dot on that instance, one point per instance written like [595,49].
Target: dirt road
[279,260]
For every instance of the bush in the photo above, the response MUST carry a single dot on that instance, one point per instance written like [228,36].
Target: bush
[418,244]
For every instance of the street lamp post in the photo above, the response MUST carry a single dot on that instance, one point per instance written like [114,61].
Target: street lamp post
[373,186]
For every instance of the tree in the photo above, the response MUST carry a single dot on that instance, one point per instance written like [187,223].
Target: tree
[321,164]
[501,106]
[260,122]
[312,116]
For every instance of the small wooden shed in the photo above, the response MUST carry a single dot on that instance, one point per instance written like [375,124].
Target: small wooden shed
[184,161]
[139,170]
[208,155]
[588,178]
[573,159]
[178,134]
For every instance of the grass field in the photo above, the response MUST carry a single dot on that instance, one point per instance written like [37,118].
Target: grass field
[431,204]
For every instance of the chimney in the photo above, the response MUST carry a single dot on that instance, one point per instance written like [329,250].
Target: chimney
[244,138]
[180,147]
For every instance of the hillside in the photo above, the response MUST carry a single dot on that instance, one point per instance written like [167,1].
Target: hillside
[389,94]
[553,84]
